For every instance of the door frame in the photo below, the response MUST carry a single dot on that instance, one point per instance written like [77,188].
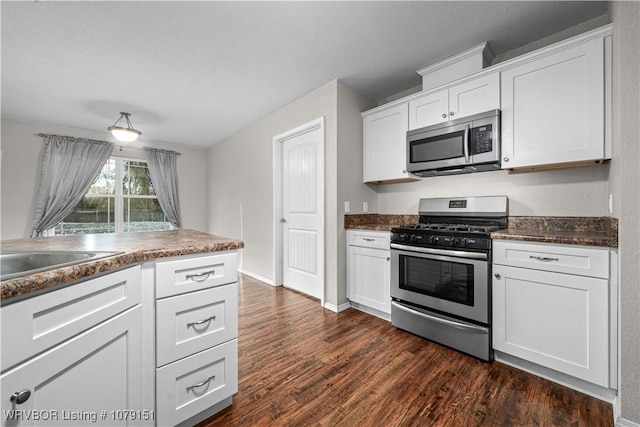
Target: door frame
[278,140]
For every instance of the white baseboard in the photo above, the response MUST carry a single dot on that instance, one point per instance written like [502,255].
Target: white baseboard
[256,276]
[372,311]
[336,308]
[602,393]
[621,422]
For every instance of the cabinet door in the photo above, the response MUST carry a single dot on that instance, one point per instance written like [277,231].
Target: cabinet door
[429,109]
[385,145]
[559,321]
[474,97]
[369,278]
[91,379]
[553,108]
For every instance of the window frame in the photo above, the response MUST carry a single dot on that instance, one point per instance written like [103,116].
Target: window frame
[118,197]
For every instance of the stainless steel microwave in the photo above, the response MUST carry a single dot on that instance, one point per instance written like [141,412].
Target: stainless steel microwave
[469,144]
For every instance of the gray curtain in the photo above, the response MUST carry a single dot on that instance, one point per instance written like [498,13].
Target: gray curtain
[69,167]
[164,177]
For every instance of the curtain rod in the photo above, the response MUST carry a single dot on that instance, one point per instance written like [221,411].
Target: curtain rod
[49,135]
[152,148]
[53,135]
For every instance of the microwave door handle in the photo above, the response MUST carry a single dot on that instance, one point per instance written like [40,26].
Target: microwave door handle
[466,143]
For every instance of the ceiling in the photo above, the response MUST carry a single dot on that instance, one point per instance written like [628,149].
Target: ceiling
[195,73]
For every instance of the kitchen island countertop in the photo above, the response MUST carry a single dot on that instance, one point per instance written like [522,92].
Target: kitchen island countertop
[133,248]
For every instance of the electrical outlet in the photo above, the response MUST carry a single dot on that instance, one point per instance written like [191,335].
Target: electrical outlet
[365,207]
[347,207]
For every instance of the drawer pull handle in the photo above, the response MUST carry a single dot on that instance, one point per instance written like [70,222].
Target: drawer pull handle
[205,382]
[543,259]
[368,239]
[200,277]
[201,322]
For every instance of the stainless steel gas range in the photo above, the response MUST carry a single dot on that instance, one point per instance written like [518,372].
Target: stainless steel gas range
[441,272]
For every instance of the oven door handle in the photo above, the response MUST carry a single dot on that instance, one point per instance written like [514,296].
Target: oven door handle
[445,252]
[450,323]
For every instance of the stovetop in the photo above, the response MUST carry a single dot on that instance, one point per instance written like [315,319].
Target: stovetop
[451,228]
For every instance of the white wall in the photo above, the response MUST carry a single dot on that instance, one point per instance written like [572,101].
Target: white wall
[625,185]
[240,181]
[21,160]
[565,192]
[350,169]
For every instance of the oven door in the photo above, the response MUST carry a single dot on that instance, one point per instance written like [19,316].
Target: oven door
[449,281]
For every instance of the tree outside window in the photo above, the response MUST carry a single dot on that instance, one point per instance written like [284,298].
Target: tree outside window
[121,200]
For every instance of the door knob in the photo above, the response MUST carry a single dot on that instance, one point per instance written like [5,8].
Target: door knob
[19,397]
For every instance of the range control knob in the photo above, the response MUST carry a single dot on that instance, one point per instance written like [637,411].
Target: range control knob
[455,241]
[464,242]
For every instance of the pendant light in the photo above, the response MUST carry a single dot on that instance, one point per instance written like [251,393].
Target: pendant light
[124,134]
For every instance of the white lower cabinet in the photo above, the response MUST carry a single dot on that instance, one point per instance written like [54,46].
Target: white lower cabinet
[84,354]
[368,269]
[94,378]
[559,320]
[197,331]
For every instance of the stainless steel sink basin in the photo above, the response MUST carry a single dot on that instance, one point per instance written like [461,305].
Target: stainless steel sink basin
[20,263]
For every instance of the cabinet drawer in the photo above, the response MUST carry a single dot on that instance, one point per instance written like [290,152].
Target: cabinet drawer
[189,386]
[555,258]
[368,239]
[36,324]
[192,322]
[193,274]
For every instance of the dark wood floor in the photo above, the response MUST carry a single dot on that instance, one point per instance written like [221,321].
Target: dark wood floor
[301,365]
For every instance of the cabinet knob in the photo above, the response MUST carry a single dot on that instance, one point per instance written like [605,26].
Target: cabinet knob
[444,116]
[388,258]
[451,113]
[505,159]
[404,171]
[497,276]
[19,397]
[283,220]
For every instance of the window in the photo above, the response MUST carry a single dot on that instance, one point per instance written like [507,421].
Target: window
[120,200]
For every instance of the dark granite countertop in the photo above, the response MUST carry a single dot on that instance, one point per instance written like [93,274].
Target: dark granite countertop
[376,222]
[133,248]
[587,231]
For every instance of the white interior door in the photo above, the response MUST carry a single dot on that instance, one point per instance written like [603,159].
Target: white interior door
[302,219]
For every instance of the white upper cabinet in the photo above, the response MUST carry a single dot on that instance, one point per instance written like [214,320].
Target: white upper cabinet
[385,152]
[471,97]
[554,106]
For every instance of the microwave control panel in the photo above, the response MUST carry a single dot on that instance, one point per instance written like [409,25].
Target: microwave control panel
[481,139]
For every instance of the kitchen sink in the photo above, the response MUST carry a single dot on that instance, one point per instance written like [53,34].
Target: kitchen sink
[20,263]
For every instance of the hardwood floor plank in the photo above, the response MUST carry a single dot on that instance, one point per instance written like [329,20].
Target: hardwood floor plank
[302,365]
